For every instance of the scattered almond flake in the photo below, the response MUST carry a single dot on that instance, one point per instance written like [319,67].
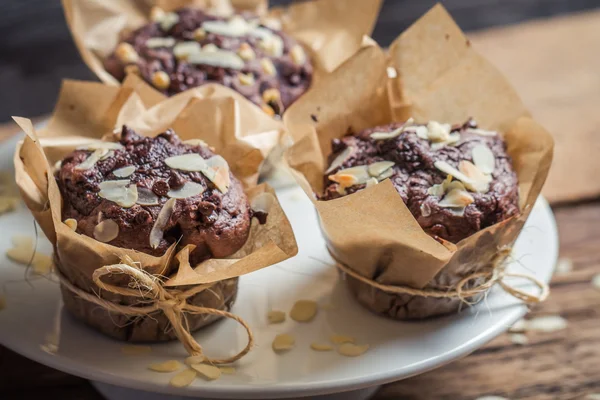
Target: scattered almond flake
[108,154]
[246,79]
[24,253]
[425,210]
[210,47]
[276,317]
[146,197]
[183,378]
[167,366]
[473,172]
[156,13]
[298,55]
[160,42]
[519,326]
[391,72]
[321,347]
[191,360]
[192,162]
[92,159]
[184,49]
[124,172]
[126,53]
[167,20]
[189,189]
[271,23]
[596,281]
[563,266]
[422,132]
[134,350]
[262,202]
[218,173]
[351,176]
[122,192]
[371,182]
[482,132]
[456,198]
[269,42]
[234,27]
[340,339]
[195,142]
[352,350]
[550,323]
[481,187]
[437,132]
[378,168]
[157,232]
[268,67]
[7,204]
[283,342]
[208,372]
[483,158]
[42,264]
[452,139]
[303,311]
[392,134]
[227,370]
[440,189]
[106,231]
[386,174]
[217,58]
[100,144]
[519,338]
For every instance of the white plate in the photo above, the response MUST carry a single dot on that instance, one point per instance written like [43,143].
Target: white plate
[398,349]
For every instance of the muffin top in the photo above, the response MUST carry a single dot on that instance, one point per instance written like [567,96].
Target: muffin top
[455,180]
[189,48]
[146,193]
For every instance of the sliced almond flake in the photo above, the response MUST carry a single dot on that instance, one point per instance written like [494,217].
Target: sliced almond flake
[386,174]
[157,232]
[271,23]
[183,378]
[122,192]
[42,264]
[351,176]
[276,316]
[208,372]
[481,187]
[482,132]
[474,173]
[425,210]
[321,347]
[195,142]
[352,350]
[235,27]
[339,160]
[452,139]
[106,231]
[217,58]
[440,189]
[437,132]
[218,173]
[392,134]
[22,251]
[71,223]
[92,159]
[167,366]
[422,132]
[100,144]
[340,339]
[167,20]
[227,370]
[563,266]
[192,162]
[269,42]
[191,360]
[135,350]
[372,182]
[160,42]
[456,198]
[262,202]
[183,50]
[189,189]
[483,158]
[108,154]
[210,47]
[146,197]
[8,203]
[303,311]
[547,324]
[519,338]
[124,172]
[378,168]
[283,342]
[596,281]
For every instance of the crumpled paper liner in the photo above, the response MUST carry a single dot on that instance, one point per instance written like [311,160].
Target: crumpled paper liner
[331,30]
[440,77]
[89,111]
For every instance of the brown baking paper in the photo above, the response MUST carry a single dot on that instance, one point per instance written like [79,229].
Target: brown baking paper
[331,30]
[87,111]
[440,77]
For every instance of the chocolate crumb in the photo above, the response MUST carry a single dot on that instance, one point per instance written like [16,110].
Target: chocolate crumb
[314,117]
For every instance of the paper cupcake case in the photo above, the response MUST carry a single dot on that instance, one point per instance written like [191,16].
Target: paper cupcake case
[90,111]
[391,265]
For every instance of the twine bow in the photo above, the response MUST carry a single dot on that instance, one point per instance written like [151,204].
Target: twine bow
[492,275]
[155,297]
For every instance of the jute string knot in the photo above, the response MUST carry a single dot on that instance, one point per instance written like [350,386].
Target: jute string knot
[155,297]
[493,274]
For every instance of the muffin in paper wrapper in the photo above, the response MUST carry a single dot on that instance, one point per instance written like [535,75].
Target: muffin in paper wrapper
[439,77]
[88,111]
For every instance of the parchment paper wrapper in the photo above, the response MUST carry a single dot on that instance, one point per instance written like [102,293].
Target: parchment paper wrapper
[441,78]
[88,111]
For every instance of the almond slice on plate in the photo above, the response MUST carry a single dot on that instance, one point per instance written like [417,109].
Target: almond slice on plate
[303,311]
[183,378]
[209,372]
[339,339]
[352,350]
[283,342]
[167,366]
[276,317]
[321,347]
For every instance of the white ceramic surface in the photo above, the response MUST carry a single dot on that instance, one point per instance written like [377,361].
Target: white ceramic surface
[33,319]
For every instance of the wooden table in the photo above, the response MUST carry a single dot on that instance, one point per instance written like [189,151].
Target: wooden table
[555,65]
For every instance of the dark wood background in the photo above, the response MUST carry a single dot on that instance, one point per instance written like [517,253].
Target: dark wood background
[37,51]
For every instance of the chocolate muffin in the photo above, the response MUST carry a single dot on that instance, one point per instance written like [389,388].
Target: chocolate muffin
[455,180]
[147,193]
[190,47]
